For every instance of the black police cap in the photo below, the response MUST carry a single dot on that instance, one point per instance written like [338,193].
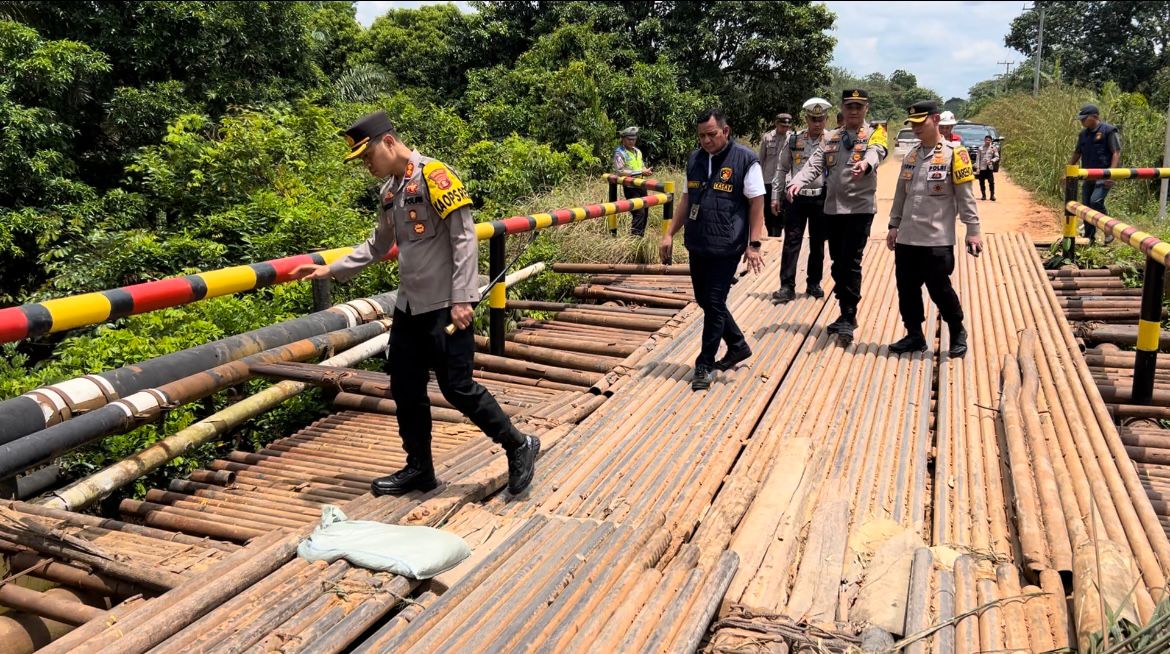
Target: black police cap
[367,128]
[920,111]
[854,95]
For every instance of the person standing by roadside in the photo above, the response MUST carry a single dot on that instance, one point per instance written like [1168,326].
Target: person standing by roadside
[723,212]
[771,147]
[628,161]
[1098,146]
[988,164]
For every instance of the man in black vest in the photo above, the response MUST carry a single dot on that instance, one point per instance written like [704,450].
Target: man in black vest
[1098,146]
[723,211]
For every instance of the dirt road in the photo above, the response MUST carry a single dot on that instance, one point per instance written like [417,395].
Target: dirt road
[1013,211]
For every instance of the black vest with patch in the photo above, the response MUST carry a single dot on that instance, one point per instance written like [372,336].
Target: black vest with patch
[720,227]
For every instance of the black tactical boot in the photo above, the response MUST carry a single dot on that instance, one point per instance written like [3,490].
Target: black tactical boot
[522,464]
[701,380]
[733,357]
[785,295]
[958,341]
[408,479]
[913,341]
[815,291]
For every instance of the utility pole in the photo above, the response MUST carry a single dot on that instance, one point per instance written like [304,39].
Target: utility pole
[1039,48]
[1007,70]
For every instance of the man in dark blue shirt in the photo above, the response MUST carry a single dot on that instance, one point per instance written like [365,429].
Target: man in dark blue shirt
[1098,146]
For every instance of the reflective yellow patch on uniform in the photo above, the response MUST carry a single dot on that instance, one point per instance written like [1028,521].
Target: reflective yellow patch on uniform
[446,190]
[693,184]
[880,137]
[961,170]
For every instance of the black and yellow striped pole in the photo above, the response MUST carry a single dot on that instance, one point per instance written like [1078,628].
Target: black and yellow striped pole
[1149,332]
[1071,184]
[1157,254]
[611,221]
[497,295]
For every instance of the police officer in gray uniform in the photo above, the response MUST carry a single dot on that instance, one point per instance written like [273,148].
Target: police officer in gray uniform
[807,208]
[426,210]
[935,184]
[848,159]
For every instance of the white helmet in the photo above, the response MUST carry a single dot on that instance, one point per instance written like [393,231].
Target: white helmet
[947,118]
[817,106]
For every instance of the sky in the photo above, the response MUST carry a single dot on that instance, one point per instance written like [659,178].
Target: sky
[949,46]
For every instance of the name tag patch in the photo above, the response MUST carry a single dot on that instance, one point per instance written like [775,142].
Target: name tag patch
[693,184]
[719,186]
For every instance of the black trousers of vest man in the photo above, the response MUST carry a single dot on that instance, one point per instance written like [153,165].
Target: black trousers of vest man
[711,278]
[418,344]
[804,211]
[774,221]
[638,218]
[848,234]
[917,265]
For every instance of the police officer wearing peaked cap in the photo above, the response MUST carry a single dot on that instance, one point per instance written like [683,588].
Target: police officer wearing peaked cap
[426,210]
[628,161]
[935,184]
[848,161]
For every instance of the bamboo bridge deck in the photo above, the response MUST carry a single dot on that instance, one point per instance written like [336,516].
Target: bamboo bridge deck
[814,494]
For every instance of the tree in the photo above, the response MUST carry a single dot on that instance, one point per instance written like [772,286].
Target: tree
[957,106]
[757,58]
[1126,42]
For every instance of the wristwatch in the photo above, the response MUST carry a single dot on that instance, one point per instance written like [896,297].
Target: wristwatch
[755,245]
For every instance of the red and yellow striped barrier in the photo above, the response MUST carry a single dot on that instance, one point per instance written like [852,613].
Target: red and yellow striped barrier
[648,183]
[1122,173]
[65,313]
[1148,244]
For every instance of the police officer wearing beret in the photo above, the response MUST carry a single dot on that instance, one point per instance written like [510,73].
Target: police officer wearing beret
[934,185]
[848,161]
[426,210]
[628,160]
[806,209]
[723,212]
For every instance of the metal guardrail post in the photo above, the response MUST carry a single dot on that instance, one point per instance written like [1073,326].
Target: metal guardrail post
[497,296]
[1149,332]
[1071,186]
[322,293]
[611,221]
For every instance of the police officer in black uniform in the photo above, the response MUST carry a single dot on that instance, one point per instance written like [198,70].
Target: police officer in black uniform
[426,210]
[723,212]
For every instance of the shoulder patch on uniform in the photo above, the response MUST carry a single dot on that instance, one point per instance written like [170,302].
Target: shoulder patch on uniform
[961,170]
[446,190]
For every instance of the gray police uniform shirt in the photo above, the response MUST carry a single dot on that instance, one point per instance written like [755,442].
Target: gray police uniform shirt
[934,185]
[771,148]
[800,148]
[428,214]
[845,194]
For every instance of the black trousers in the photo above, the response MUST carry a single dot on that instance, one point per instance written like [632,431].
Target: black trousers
[638,218]
[848,234]
[773,220]
[711,278]
[915,265]
[803,211]
[418,344]
[988,177]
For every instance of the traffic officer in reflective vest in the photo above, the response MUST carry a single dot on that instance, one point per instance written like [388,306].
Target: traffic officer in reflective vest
[848,160]
[934,185]
[723,212]
[627,160]
[426,210]
[807,208]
